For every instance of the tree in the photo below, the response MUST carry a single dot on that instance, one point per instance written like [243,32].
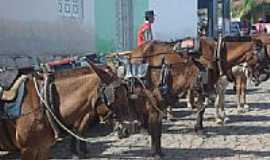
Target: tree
[242,8]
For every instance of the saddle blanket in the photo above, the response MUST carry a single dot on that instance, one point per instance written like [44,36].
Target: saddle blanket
[12,110]
[136,70]
[7,78]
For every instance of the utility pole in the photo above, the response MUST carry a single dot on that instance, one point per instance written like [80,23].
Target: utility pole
[213,18]
[226,16]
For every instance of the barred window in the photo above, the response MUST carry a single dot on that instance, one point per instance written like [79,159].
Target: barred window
[70,8]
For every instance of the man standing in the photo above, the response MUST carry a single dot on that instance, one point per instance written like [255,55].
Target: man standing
[145,31]
[245,27]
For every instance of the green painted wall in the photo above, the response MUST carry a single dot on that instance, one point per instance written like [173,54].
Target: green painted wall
[105,21]
[139,7]
[105,13]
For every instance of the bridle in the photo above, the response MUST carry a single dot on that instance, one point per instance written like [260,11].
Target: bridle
[107,97]
[261,68]
[165,74]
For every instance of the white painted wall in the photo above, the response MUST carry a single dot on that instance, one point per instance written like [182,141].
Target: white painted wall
[34,27]
[175,19]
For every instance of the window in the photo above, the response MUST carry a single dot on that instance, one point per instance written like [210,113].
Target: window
[70,8]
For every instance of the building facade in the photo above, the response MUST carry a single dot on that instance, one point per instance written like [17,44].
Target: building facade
[68,27]
[218,15]
[118,21]
[35,27]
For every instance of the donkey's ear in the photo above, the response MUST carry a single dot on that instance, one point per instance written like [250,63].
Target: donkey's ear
[102,74]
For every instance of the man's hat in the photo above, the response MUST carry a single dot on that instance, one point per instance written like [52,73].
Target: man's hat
[149,13]
[261,20]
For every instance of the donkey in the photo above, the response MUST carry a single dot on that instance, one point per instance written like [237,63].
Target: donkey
[234,53]
[189,69]
[78,97]
[169,74]
[241,75]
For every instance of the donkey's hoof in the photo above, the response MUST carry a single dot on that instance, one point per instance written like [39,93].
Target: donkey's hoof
[227,120]
[246,107]
[240,110]
[189,105]
[219,121]
[198,130]
[170,117]
[157,156]
[75,157]
[133,96]
[194,109]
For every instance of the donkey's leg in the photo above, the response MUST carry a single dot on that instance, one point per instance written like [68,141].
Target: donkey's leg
[169,113]
[74,146]
[190,99]
[81,147]
[78,148]
[222,105]
[219,119]
[43,154]
[29,154]
[199,120]
[238,95]
[244,93]
[155,127]
[218,103]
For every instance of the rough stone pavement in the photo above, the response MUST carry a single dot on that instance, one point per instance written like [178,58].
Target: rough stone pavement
[245,137]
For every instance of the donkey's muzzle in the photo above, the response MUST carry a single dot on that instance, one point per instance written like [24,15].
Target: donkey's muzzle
[127,128]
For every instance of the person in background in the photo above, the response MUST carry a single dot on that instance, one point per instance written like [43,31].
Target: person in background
[245,27]
[260,27]
[145,31]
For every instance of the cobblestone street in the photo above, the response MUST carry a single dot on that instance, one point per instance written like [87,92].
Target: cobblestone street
[245,137]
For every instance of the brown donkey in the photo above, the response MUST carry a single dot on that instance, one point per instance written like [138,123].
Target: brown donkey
[78,100]
[169,74]
[232,53]
[185,71]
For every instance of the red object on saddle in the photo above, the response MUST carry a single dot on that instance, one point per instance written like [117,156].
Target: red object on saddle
[60,62]
[140,37]
[188,43]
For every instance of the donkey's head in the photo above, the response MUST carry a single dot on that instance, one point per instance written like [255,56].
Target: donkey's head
[259,64]
[260,70]
[114,95]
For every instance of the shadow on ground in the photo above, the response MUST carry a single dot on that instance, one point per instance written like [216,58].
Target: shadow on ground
[188,154]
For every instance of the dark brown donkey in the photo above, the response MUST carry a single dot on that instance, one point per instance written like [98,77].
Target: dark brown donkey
[169,74]
[78,96]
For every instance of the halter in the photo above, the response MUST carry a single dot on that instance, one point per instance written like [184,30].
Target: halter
[263,64]
[261,53]
[165,74]
[164,86]
[107,96]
